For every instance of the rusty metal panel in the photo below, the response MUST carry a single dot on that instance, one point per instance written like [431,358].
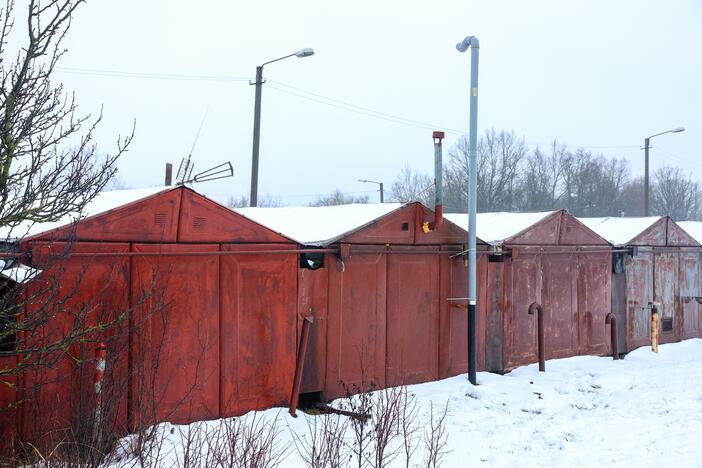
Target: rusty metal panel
[77,293]
[357,324]
[559,301]
[498,275]
[524,288]
[545,232]
[453,323]
[594,302]
[639,292]
[396,227]
[203,220]
[312,296]
[175,334]
[412,319]
[689,291]
[257,328]
[446,233]
[654,235]
[619,309]
[153,219]
[573,232]
[676,236]
[665,285]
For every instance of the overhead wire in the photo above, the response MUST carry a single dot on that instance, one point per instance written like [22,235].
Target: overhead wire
[308,95]
[157,76]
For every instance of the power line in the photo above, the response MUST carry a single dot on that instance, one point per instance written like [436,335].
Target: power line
[302,195]
[679,158]
[155,76]
[353,107]
[304,94]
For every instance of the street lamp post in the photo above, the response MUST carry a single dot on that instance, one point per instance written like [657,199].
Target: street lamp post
[374,182]
[472,43]
[253,199]
[646,179]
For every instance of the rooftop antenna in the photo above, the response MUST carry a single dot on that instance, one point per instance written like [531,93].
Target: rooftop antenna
[185,169]
[186,165]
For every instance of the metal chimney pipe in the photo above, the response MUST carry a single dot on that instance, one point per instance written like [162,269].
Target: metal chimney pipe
[438,183]
[169,174]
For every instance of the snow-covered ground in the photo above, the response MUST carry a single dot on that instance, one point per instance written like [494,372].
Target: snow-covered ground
[645,410]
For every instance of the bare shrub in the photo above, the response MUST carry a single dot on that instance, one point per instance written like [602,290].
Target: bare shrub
[323,445]
[408,424]
[435,437]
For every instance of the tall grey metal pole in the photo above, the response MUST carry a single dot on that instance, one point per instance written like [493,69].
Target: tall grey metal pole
[253,199]
[472,43]
[381,193]
[646,187]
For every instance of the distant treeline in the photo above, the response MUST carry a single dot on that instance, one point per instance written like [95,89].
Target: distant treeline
[513,177]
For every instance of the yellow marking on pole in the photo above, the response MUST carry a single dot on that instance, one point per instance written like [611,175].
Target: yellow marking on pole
[475,91]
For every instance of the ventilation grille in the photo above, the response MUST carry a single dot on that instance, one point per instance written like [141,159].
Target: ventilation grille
[199,222]
[160,218]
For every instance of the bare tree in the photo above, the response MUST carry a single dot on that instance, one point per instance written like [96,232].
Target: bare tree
[500,158]
[592,184]
[42,178]
[631,198]
[541,178]
[676,195]
[339,198]
[263,201]
[410,185]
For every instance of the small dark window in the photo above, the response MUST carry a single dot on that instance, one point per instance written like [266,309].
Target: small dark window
[312,260]
[405,226]
[618,263]
[667,324]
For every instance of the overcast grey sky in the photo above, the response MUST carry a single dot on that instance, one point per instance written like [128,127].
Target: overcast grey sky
[599,73]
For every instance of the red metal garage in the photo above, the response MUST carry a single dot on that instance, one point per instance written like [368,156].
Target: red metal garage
[380,305]
[660,263]
[554,260]
[208,300]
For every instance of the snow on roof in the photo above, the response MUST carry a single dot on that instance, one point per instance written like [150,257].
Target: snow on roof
[318,225]
[494,228]
[694,228]
[104,201]
[619,231]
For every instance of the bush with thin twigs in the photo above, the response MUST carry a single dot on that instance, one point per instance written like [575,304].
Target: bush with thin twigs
[323,445]
[435,437]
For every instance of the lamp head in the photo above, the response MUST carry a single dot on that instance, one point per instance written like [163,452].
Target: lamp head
[304,52]
[678,130]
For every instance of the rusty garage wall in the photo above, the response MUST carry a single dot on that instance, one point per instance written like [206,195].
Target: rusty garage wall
[381,312]
[206,324]
[659,263]
[551,259]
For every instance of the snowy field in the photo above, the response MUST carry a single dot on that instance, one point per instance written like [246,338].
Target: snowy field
[645,410]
